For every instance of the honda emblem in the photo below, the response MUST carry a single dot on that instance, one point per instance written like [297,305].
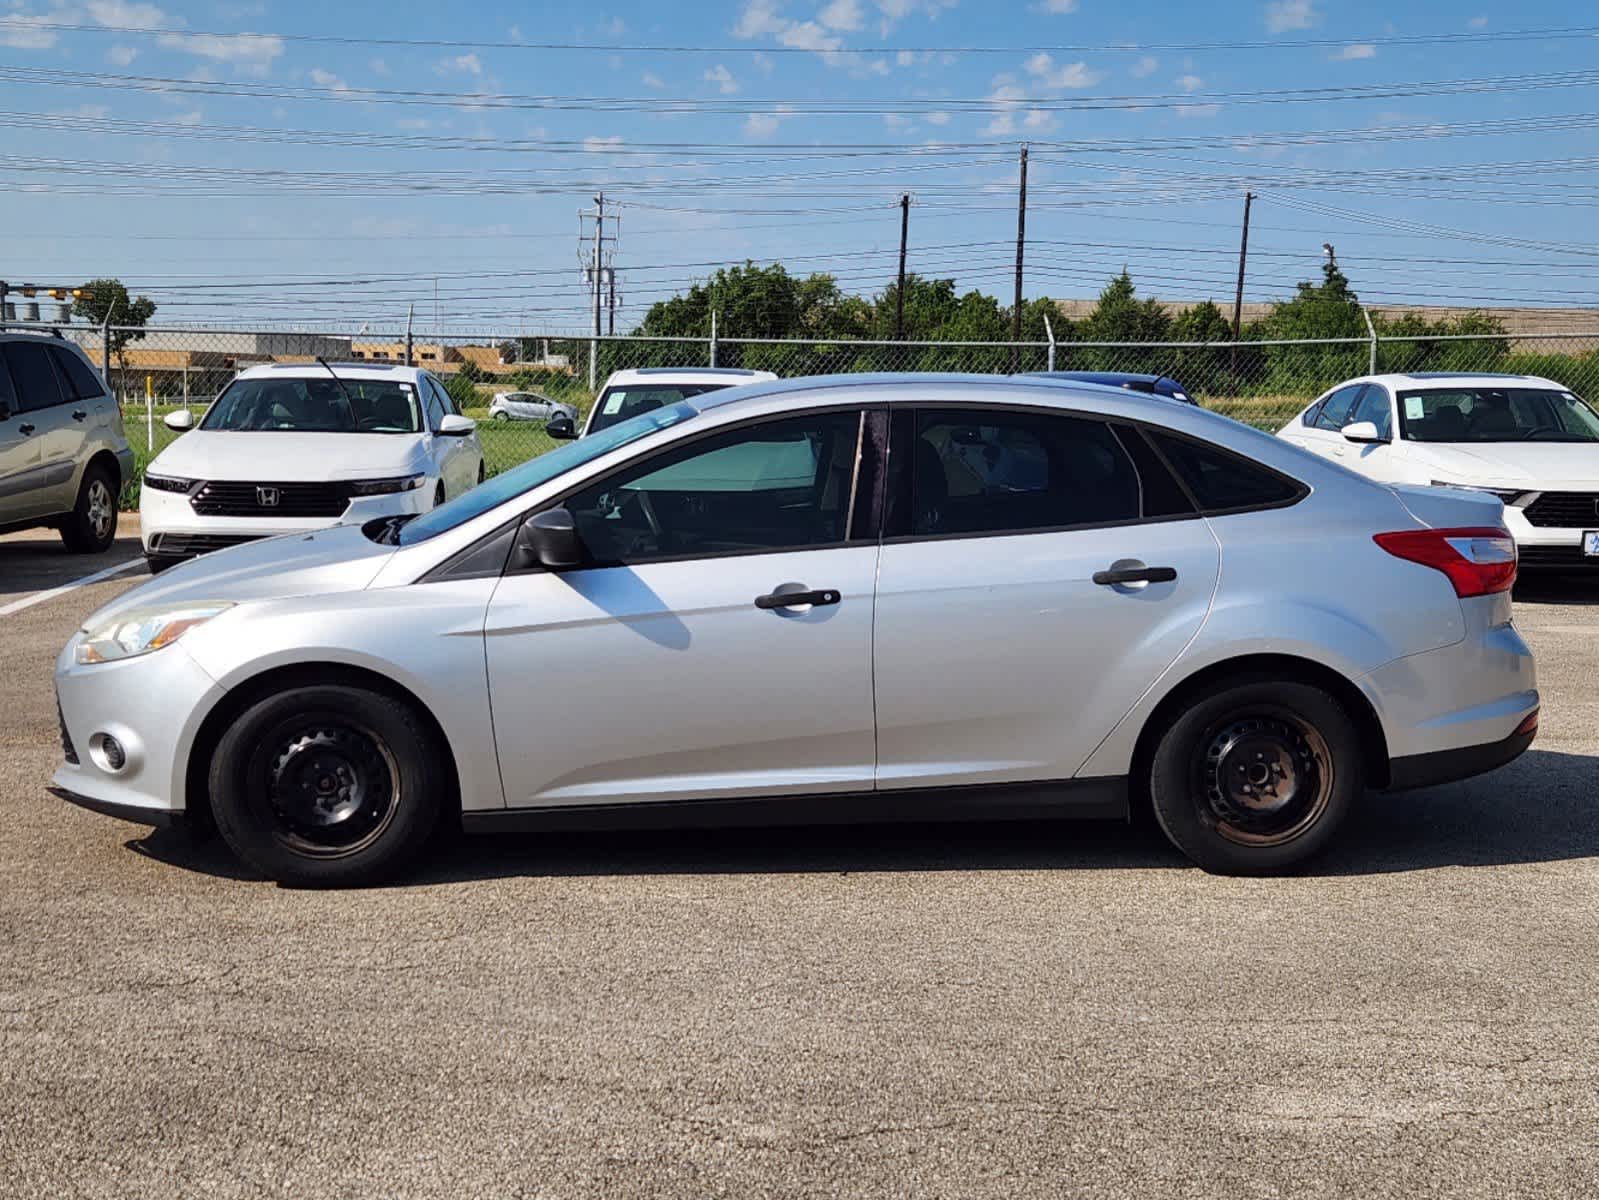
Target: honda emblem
[266,497]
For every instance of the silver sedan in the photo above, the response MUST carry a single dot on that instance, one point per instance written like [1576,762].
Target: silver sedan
[838,599]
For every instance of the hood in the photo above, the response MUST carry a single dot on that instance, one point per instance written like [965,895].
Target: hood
[1537,466]
[339,559]
[290,457]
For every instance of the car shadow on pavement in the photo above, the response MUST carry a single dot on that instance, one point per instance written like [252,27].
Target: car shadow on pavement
[1541,588]
[1541,808]
[36,561]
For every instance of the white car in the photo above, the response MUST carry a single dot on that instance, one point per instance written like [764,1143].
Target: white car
[289,448]
[644,389]
[1527,440]
[528,406]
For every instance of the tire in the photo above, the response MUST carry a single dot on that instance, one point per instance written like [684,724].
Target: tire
[438,494]
[502,416]
[327,786]
[161,562]
[1218,777]
[91,526]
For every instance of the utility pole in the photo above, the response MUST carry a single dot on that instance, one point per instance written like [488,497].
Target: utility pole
[610,300]
[899,289]
[596,253]
[1238,296]
[1021,241]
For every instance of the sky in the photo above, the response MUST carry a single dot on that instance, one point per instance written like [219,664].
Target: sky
[316,165]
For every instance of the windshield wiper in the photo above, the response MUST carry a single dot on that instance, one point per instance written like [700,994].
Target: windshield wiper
[348,399]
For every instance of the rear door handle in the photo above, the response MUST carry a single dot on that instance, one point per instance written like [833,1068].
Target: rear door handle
[797,599]
[79,415]
[1135,575]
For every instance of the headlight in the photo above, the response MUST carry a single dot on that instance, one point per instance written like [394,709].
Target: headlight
[167,483]
[141,630]
[386,487]
[1507,495]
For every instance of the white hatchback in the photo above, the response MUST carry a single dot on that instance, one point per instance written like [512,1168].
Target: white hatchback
[292,448]
[1527,440]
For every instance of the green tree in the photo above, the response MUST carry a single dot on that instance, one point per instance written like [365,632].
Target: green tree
[1120,316]
[462,389]
[469,371]
[1329,309]
[102,298]
[1206,370]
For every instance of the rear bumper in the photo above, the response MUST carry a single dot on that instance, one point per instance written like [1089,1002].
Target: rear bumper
[1446,766]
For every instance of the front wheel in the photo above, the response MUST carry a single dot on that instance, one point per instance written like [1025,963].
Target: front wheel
[502,416]
[327,785]
[91,526]
[1256,777]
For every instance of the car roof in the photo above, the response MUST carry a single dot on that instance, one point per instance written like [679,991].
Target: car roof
[724,375]
[343,370]
[1421,380]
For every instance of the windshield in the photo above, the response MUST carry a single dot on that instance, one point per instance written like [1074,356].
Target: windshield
[534,471]
[618,404]
[1496,415]
[310,405]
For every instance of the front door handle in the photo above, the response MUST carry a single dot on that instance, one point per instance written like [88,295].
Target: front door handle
[79,415]
[1135,575]
[25,430]
[797,597]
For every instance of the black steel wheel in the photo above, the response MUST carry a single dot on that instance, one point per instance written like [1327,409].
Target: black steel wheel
[1255,776]
[327,785]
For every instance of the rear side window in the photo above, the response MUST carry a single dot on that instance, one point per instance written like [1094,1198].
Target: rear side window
[8,398]
[78,377]
[31,375]
[1223,482]
[989,470]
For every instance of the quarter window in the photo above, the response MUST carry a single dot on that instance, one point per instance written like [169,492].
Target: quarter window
[76,375]
[1223,482]
[780,485]
[995,471]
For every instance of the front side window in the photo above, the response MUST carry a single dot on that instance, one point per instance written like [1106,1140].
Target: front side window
[311,405]
[996,471]
[779,485]
[1374,407]
[1496,415]
[1334,412]
[617,404]
[31,375]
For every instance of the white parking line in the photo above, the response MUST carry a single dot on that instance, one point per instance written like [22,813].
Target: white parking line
[41,597]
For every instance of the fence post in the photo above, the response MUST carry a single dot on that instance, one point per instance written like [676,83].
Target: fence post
[149,413]
[1049,329]
[713,338]
[1371,329]
[410,312]
[105,347]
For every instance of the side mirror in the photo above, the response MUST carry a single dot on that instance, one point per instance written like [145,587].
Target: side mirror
[179,421]
[455,425]
[1362,431]
[561,427]
[550,540]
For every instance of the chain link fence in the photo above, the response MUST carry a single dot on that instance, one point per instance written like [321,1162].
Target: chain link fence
[1262,383]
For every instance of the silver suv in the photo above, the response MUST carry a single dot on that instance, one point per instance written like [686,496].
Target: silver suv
[63,453]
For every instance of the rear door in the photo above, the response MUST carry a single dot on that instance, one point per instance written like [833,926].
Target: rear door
[1039,571]
[19,455]
[452,454]
[46,489]
[84,418]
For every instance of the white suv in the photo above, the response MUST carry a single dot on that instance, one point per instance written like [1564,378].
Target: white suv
[1525,439]
[644,389]
[63,453]
[289,448]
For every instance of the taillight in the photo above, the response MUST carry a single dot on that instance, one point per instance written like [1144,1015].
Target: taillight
[1478,561]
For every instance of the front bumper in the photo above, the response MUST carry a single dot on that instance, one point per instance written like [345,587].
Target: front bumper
[171,528]
[1543,546]
[160,818]
[152,705]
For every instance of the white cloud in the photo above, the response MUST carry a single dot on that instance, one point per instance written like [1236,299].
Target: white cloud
[722,78]
[327,79]
[897,121]
[249,52]
[761,125]
[20,32]
[598,145]
[1058,6]
[1478,23]
[1069,75]
[1284,15]
[842,14]
[124,14]
[379,66]
[936,118]
[466,64]
[1191,111]
[193,117]
[121,56]
[1356,51]
[760,18]
[413,123]
[1144,66]
[651,80]
[1038,120]
[614,26]
[1005,100]
[1190,83]
[95,112]
[763,62]
[905,58]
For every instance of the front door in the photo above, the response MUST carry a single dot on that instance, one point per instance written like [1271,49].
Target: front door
[1040,572]
[717,644]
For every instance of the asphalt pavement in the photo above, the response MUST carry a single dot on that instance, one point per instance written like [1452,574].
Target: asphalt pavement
[1006,1011]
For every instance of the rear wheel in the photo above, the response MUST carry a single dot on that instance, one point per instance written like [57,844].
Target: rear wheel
[91,526]
[502,415]
[327,785]
[1256,777]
